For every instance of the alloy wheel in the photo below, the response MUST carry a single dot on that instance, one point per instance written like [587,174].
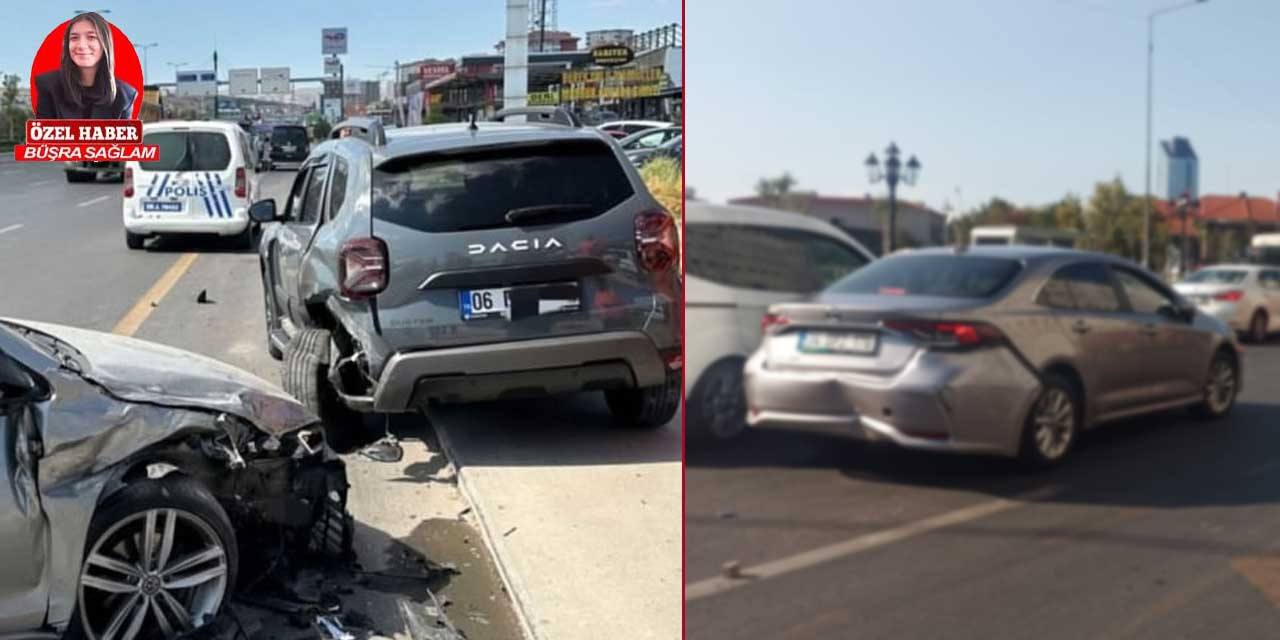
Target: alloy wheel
[1221,389]
[156,570]
[1055,421]
[728,406]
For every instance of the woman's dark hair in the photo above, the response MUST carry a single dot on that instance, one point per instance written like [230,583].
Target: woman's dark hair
[103,90]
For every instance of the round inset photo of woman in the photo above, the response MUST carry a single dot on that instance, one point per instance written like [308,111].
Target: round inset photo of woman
[86,69]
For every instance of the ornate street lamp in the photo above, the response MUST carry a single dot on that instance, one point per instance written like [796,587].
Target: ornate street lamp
[894,171]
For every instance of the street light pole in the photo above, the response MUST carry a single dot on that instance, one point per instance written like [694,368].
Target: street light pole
[146,64]
[893,173]
[1146,202]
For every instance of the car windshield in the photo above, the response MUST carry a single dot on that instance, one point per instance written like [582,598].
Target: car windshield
[478,190]
[188,151]
[1218,276]
[951,276]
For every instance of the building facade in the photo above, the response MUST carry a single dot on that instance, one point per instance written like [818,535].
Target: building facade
[1179,169]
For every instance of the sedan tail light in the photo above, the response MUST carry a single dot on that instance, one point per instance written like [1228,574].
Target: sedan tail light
[657,244]
[128,183]
[362,268]
[241,186]
[773,320]
[1229,296]
[949,334]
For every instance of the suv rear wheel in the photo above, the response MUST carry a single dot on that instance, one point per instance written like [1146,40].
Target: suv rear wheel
[306,377]
[647,407]
[134,240]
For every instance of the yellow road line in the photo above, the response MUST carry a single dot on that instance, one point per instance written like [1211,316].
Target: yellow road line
[131,321]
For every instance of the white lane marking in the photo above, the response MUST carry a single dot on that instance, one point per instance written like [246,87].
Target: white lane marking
[36,184]
[93,201]
[814,557]
[12,227]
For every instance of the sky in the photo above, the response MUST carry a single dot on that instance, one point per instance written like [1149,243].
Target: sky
[266,33]
[1024,99]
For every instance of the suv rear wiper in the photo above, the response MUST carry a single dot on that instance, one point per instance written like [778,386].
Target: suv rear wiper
[525,214]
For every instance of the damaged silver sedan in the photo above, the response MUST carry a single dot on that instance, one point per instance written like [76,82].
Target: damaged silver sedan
[142,484]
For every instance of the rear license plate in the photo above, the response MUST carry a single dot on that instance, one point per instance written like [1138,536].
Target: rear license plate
[484,303]
[518,302]
[843,342]
[162,207]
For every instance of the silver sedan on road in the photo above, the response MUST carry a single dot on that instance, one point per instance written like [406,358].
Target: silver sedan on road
[1245,296]
[1003,350]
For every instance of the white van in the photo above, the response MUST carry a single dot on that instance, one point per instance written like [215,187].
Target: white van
[1014,234]
[738,261]
[1264,248]
[203,183]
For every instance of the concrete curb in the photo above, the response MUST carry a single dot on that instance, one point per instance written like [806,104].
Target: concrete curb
[515,588]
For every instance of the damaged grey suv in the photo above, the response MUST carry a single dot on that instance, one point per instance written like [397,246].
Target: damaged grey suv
[140,484]
[471,262]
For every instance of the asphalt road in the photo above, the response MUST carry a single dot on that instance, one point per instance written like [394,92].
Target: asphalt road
[583,515]
[1160,527]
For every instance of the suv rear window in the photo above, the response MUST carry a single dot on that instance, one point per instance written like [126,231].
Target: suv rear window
[460,192]
[951,276]
[188,151]
[289,135]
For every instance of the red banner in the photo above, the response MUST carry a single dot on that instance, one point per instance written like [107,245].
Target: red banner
[86,151]
[90,132]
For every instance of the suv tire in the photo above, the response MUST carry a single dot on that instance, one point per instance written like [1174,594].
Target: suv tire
[134,240]
[647,407]
[306,377]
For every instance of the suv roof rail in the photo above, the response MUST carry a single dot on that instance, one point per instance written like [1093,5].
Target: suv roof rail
[368,129]
[550,115]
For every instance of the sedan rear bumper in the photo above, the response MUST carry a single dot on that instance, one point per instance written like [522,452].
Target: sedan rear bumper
[962,402]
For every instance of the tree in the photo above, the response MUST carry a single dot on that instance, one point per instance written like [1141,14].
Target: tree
[1114,223]
[12,114]
[1068,213]
[779,192]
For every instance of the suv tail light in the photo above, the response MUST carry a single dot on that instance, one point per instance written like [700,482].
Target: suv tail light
[773,320]
[128,183]
[362,268]
[1229,296]
[657,244]
[241,188]
[949,334]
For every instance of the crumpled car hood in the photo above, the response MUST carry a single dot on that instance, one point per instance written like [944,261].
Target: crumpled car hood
[139,371]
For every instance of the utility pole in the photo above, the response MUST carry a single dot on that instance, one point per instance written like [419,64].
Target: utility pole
[215,83]
[342,94]
[542,25]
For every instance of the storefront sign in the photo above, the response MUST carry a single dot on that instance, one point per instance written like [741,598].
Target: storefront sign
[434,71]
[544,98]
[596,92]
[636,76]
[612,55]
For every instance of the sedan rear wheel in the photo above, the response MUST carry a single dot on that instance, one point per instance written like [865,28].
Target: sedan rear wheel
[161,560]
[1051,428]
[1258,327]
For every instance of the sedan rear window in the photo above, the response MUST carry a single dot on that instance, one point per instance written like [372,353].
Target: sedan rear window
[1217,276]
[476,190]
[188,151]
[952,276]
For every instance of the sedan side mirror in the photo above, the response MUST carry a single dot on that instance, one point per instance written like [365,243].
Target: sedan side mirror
[1183,310]
[263,211]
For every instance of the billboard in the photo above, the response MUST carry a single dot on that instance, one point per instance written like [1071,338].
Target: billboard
[332,67]
[275,80]
[333,40]
[196,83]
[244,82]
[434,71]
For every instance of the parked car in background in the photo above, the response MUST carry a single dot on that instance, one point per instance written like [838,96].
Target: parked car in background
[1264,248]
[139,482]
[1245,296]
[289,144]
[739,261]
[649,138]
[202,184]
[633,126]
[673,148]
[1009,351]
[92,170]
[492,260]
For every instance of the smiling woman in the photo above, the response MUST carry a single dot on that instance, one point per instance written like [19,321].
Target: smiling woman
[85,84]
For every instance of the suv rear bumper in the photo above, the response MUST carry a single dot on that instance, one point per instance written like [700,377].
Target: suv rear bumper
[618,359]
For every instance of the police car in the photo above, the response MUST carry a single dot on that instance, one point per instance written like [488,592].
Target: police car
[202,183]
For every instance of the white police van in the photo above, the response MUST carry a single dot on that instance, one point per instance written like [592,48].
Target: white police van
[202,183]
